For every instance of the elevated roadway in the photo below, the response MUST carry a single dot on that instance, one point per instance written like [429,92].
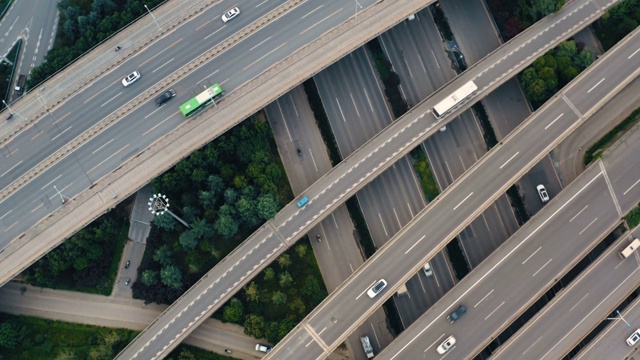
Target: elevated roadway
[363,165]
[566,320]
[443,219]
[610,344]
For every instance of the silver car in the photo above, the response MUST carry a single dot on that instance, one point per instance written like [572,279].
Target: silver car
[131,78]
[230,14]
[377,288]
[542,191]
[446,345]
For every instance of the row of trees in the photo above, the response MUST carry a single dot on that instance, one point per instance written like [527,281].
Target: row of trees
[513,16]
[551,72]
[616,23]
[84,260]
[82,26]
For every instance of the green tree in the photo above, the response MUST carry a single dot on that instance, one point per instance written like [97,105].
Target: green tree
[163,255]
[267,206]
[534,10]
[272,332]
[149,277]
[252,292]
[285,279]
[230,196]
[188,240]
[186,355]
[171,276]
[585,58]
[208,199]
[247,210]
[269,273]
[8,335]
[201,229]
[165,221]
[254,326]
[297,306]
[226,226]
[301,250]
[233,311]
[284,261]
[279,297]
[286,325]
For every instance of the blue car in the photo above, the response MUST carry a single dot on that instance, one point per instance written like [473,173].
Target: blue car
[303,201]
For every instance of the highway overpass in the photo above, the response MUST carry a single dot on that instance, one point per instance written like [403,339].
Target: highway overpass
[375,156]
[130,137]
[443,219]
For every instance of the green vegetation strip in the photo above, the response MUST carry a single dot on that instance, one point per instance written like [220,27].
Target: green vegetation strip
[597,150]
[633,217]
[30,338]
[425,174]
[322,121]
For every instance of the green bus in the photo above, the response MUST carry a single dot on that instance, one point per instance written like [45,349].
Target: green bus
[201,100]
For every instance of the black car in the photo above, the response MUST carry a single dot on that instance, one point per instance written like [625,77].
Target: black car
[165,96]
[457,314]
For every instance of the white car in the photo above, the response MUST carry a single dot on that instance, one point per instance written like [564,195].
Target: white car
[446,345]
[633,339]
[263,348]
[230,14]
[377,288]
[542,191]
[131,78]
[427,269]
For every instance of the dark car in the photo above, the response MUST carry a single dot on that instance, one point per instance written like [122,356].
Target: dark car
[457,314]
[165,96]
[126,265]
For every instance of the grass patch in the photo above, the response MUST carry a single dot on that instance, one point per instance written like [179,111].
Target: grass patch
[597,150]
[425,174]
[633,217]
[362,231]
[41,339]
[489,135]
[322,121]
[442,23]
[522,216]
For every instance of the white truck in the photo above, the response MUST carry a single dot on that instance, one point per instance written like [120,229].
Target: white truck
[366,345]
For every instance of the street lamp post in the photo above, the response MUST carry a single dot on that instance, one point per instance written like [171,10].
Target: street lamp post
[159,204]
[620,318]
[357,5]
[154,18]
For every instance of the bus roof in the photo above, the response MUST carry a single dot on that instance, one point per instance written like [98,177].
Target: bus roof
[204,97]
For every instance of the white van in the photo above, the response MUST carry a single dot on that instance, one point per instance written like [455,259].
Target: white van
[630,249]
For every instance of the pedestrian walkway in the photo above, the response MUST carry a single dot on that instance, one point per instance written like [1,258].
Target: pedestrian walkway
[141,217]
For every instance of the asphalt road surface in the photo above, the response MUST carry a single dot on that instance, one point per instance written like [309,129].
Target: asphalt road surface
[331,321]
[363,165]
[337,252]
[610,344]
[35,22]
[516,274]
[573,314]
